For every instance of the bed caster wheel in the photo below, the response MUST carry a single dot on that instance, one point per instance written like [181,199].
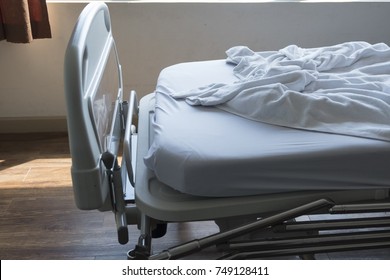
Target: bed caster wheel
[138,253]
[159,231]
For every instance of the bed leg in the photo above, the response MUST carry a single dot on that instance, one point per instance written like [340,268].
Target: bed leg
[143,249]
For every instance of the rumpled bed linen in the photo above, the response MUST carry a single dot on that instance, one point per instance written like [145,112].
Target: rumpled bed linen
[341,89]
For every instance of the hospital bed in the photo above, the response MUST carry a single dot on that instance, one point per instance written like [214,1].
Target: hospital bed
[161,161]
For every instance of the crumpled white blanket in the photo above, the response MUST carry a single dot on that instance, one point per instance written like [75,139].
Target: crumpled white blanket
[342,89]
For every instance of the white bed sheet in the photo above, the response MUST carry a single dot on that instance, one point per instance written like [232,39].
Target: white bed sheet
[342,89]
[205,151]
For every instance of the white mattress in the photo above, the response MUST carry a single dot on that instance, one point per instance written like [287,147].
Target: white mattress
[205,151]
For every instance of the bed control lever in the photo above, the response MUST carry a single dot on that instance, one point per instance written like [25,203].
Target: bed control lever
[111,163]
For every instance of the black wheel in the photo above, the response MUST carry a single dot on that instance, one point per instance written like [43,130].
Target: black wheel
[159,231]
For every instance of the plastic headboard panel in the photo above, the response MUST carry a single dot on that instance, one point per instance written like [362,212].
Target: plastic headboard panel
[93,90]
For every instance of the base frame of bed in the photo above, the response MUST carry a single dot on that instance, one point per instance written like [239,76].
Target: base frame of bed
[282,235]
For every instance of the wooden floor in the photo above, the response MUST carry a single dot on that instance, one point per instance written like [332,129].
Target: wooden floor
[38,217]
[39,220]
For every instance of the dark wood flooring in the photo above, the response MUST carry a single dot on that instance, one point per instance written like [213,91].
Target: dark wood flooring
[39,220]
[38,217]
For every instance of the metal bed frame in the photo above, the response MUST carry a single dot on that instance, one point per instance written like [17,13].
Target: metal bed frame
[107,148]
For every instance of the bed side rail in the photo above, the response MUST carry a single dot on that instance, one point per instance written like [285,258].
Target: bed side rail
[120,176]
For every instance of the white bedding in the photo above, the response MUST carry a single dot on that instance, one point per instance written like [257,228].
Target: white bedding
[342,89]
[209,152]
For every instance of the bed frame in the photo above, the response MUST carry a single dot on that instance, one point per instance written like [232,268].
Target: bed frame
[110,133]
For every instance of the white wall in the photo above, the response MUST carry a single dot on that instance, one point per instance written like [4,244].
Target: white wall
[151,36]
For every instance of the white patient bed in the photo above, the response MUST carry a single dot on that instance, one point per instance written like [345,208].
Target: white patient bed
[185,163]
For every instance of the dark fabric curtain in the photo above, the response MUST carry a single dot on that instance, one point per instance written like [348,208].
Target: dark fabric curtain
[21,21]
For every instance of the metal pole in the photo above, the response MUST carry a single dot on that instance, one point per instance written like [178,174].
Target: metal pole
[199,244]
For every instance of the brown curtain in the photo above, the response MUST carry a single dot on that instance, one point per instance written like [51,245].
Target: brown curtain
[21,21]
